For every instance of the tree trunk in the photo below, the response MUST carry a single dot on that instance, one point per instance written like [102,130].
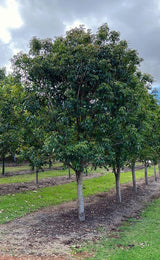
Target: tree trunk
[69,172]
[134,177]
[50,164]
[14,158]
[155,174]
[118,188]
[159,168]
[3,165]
[37,181]
[146,173]
[81,214]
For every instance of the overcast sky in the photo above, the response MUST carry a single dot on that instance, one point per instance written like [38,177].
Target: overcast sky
[138,21]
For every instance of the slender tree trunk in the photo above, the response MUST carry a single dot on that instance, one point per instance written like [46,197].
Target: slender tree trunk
[159,168]
[118,188]
[14,158]
[134,177]
[86,172]
[50,164]
[3,165]
[81,214]
[155,174]
[37,181]
[146,173]
[69,172]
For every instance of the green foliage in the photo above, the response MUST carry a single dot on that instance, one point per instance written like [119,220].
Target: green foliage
[136,239]
[11,93]
[92,88]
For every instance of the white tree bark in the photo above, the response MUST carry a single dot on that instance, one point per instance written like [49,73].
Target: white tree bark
[134,177]
[81,214]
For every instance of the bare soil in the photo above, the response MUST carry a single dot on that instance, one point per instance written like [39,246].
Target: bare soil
[51,233]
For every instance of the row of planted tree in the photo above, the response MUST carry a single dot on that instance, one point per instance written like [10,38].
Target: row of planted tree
[82,100]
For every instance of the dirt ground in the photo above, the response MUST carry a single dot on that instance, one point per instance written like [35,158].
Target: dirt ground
[52,233]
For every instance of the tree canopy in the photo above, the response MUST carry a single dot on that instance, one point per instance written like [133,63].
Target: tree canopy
[93,94]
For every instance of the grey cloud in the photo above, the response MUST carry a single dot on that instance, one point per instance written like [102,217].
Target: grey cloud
[5,53]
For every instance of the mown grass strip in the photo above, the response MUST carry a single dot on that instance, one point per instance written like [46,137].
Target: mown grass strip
[137,239]
[20,204]
[16,168]
[41,175]
[19,168]
[32,176]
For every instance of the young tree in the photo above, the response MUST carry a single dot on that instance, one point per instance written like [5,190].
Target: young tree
[11,94]
[122,102]
[89,84]
[150,135]
[33,133]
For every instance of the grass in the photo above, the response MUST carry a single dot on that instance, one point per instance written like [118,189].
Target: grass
[20,204]
[19,168]
[41,175]
[136,239]
[55,173]
[16,168]
[31,177]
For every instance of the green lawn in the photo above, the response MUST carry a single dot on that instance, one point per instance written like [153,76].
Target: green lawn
[17,205]
[31,177]
[16,168]
[136,239]
[19,168]
[42,175]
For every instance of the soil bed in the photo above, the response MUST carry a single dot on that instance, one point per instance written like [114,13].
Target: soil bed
[56,230]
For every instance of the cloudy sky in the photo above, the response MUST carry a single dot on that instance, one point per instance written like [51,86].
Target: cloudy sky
[138,21]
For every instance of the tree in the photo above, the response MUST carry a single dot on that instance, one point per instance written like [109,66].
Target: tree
[11,94]
[139,120]
[33,133]
[150,134]
[88,82]
[121,102]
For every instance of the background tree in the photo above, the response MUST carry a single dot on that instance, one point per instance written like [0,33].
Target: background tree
[120,97]
[11,94]
[33,133]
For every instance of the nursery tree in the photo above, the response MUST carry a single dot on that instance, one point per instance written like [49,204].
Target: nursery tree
[11,94]
[89,83]
[121,94]
[139,121]
[33,132]
[149,150]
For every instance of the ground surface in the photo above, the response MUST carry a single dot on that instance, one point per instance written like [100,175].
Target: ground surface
[53,232]
[21,187]
[46,182]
